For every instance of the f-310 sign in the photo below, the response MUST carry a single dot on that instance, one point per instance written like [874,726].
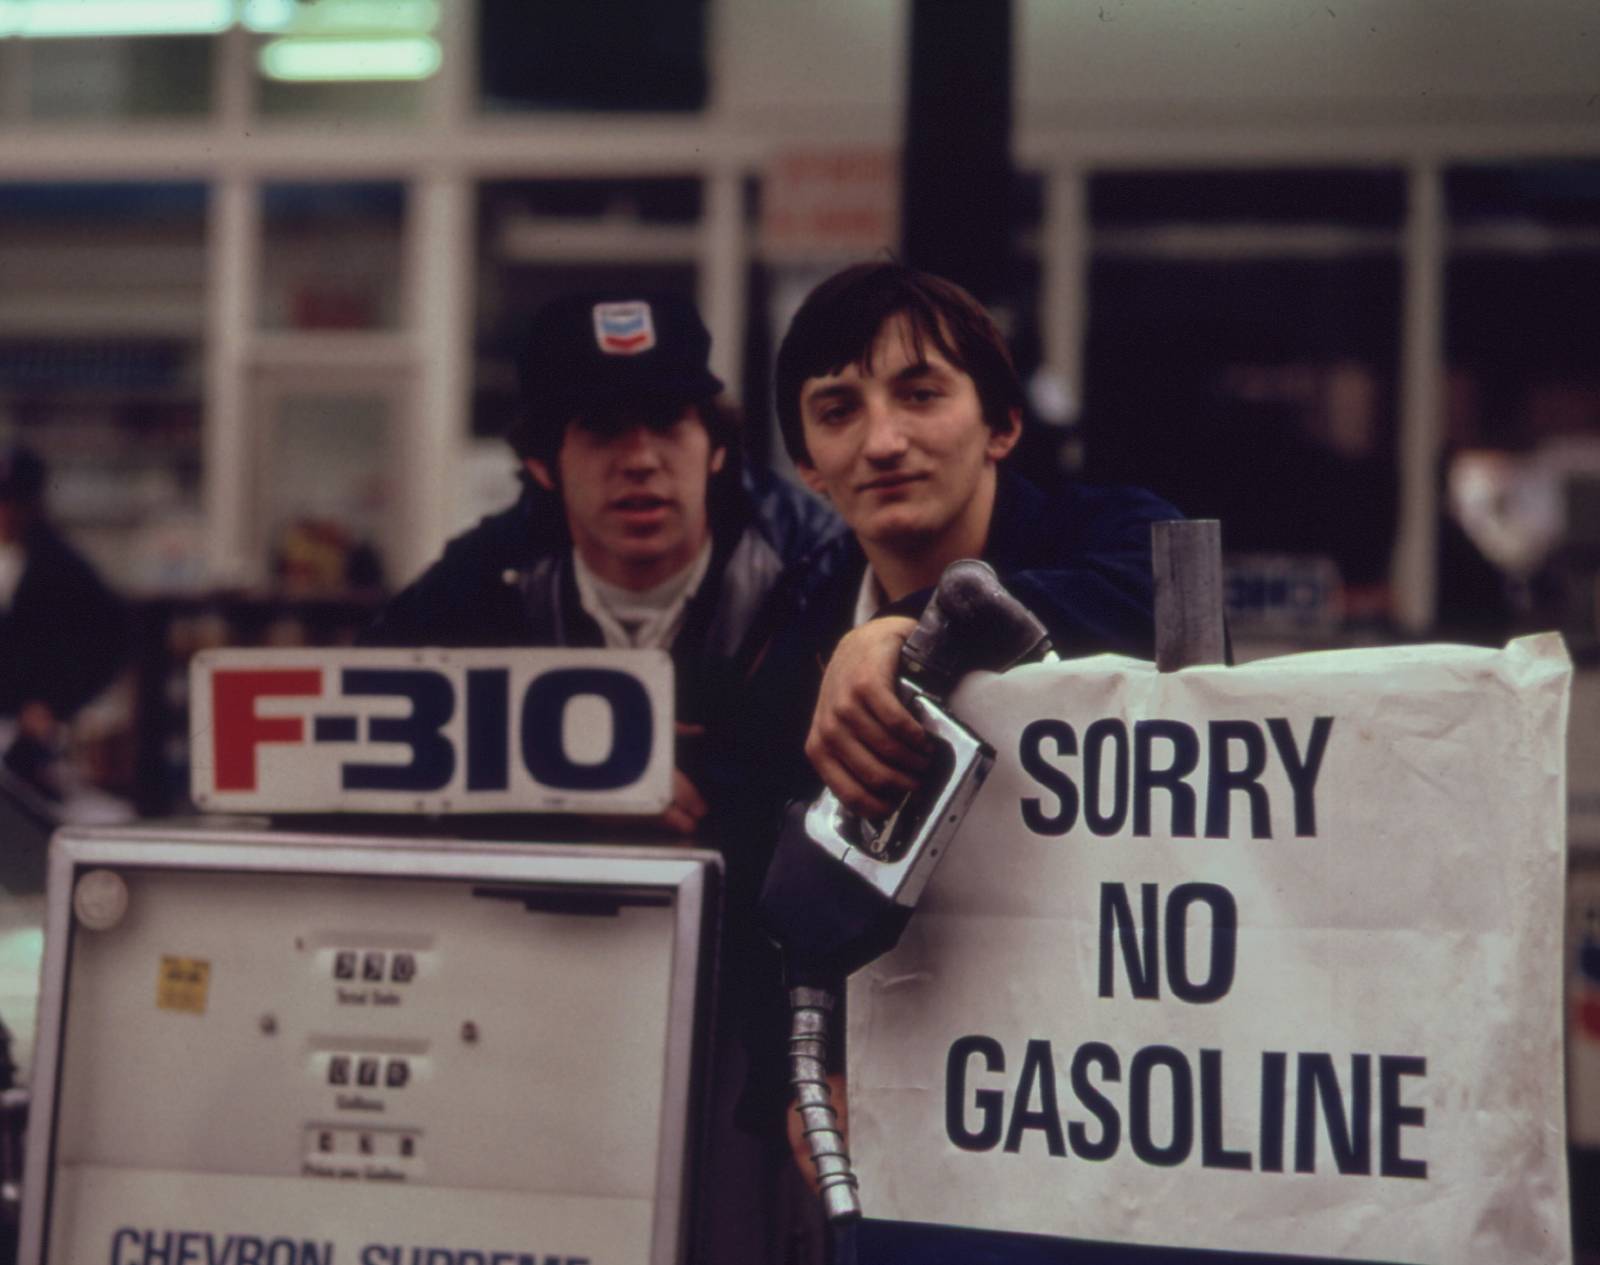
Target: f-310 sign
[434,731]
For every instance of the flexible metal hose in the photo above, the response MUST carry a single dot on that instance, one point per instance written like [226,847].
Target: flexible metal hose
[971,622]
[811,1011]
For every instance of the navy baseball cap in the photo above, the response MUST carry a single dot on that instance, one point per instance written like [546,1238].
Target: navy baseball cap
[586,351]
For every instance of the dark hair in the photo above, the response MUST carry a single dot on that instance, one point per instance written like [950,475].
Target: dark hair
[840,320]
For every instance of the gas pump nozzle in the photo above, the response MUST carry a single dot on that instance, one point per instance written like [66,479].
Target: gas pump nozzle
[897,856]
[970,623]
[831,919]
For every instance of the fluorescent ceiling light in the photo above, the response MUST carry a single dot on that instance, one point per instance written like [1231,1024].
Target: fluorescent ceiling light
[341,17]
[48,19]
[268,15]
[341,60]
[54,19]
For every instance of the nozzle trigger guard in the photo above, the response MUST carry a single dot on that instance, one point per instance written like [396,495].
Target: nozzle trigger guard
[897,857]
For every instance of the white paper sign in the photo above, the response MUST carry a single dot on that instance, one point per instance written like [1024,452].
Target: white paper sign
[433,731]
[1259,959]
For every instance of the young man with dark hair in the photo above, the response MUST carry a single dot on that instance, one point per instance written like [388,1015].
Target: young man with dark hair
[898,402]
[637,526]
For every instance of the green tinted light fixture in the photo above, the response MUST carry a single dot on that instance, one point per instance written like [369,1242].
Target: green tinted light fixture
[59,19]
[340,17]
[329,60]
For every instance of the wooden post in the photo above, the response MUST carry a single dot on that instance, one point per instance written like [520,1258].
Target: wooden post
[1187,557]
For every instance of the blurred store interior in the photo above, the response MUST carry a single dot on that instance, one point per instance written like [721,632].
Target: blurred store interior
[1328,270]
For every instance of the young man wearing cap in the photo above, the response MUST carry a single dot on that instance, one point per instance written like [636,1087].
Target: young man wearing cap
[639,528]
[636,527]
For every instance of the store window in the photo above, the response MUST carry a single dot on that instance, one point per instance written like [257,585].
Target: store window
[102,315]
[116,59]
[1050,449]
[328,445]
[1242,361]
[600,55]
[1346,196]
[538,239]
[1522,430]
[331,256]
[355,59]
[117,78]
[400,100]
[1524,304]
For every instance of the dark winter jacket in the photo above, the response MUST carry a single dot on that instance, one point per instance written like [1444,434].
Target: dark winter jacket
[1079,559]
[64,635]
[509,582]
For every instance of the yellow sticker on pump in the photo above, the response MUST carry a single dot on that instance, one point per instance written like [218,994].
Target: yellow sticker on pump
[182,984]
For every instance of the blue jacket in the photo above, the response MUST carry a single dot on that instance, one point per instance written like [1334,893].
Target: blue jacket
[1079,559]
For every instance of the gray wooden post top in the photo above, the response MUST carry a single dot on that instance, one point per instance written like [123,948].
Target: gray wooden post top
[1187,558]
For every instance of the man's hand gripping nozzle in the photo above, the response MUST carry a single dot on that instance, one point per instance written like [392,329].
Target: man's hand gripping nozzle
[841,889]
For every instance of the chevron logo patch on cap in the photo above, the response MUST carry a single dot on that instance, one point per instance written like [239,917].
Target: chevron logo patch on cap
[624,329]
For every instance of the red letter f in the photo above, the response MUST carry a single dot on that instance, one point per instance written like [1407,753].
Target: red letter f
[237,730]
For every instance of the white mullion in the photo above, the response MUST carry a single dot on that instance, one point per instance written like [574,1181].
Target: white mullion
[723,259]
[432,418]
[233,82]
[452,91]
[233,243]
[1064,258]
[438,265]
[1415,568]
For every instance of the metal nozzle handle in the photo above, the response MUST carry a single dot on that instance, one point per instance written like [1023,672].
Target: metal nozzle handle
[970,623]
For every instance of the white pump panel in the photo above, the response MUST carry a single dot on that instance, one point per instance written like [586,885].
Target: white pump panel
[297,1050]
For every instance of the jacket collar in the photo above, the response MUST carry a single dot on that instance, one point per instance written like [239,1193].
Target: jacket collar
[839,564]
